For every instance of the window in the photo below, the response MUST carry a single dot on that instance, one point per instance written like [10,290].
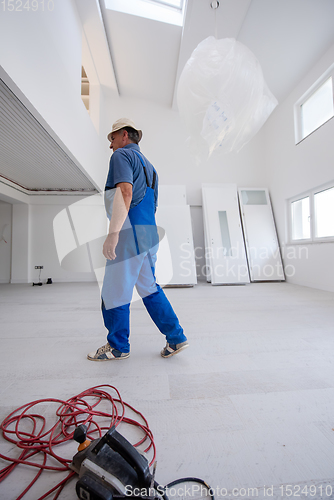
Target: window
[253,197]
[324,213]
[312,215]
[315,107]
[318,108]
[300,215]
[166,11]
[225,233]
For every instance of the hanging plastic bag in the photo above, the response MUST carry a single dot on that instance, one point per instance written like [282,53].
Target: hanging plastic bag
[222,96]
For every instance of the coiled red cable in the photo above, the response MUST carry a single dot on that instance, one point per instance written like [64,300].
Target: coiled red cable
[77,410]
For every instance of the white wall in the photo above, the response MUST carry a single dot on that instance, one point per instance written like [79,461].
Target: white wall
[293,169]
[33,240]
[5,241]
[87,222]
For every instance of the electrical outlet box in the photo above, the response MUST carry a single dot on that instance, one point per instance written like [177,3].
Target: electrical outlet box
[38,267]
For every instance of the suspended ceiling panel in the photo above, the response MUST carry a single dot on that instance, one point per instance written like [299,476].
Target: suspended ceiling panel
[29,156]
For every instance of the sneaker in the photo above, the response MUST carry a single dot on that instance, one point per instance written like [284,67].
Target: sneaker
[171,349]
[107,353]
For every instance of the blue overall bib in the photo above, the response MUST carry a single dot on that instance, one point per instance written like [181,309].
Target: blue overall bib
[134,266]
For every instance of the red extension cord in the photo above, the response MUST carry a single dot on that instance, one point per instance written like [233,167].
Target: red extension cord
[71,413]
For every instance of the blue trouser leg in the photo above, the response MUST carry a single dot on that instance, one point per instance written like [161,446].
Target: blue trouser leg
[157,304]
[119,281]
[163,315]
[117,322]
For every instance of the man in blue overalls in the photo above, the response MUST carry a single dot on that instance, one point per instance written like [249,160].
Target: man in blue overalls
[131,247]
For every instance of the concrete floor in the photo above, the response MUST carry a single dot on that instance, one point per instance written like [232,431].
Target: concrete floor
[250,404]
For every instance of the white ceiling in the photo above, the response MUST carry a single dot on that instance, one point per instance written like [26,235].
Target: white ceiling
[287,37]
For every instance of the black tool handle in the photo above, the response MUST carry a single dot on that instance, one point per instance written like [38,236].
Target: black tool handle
[119,444]
[80,433]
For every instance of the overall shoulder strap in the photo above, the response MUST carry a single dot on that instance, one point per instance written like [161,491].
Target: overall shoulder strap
[144,167]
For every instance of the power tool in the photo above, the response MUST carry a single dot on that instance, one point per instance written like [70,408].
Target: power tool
[110,467]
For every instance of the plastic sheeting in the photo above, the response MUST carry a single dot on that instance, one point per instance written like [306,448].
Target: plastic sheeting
[222,96]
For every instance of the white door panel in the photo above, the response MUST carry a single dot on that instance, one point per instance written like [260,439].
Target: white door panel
[225,250]
[172,195]
[176,222]
[262,246]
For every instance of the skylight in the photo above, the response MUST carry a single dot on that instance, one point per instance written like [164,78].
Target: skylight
[165,11]
[170,3]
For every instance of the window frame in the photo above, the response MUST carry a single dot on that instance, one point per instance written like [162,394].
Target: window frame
[299,137]
[313,238]
[165,3]
[291,201]
[319,191]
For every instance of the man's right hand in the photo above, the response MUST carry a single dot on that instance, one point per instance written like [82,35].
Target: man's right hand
[109,246]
